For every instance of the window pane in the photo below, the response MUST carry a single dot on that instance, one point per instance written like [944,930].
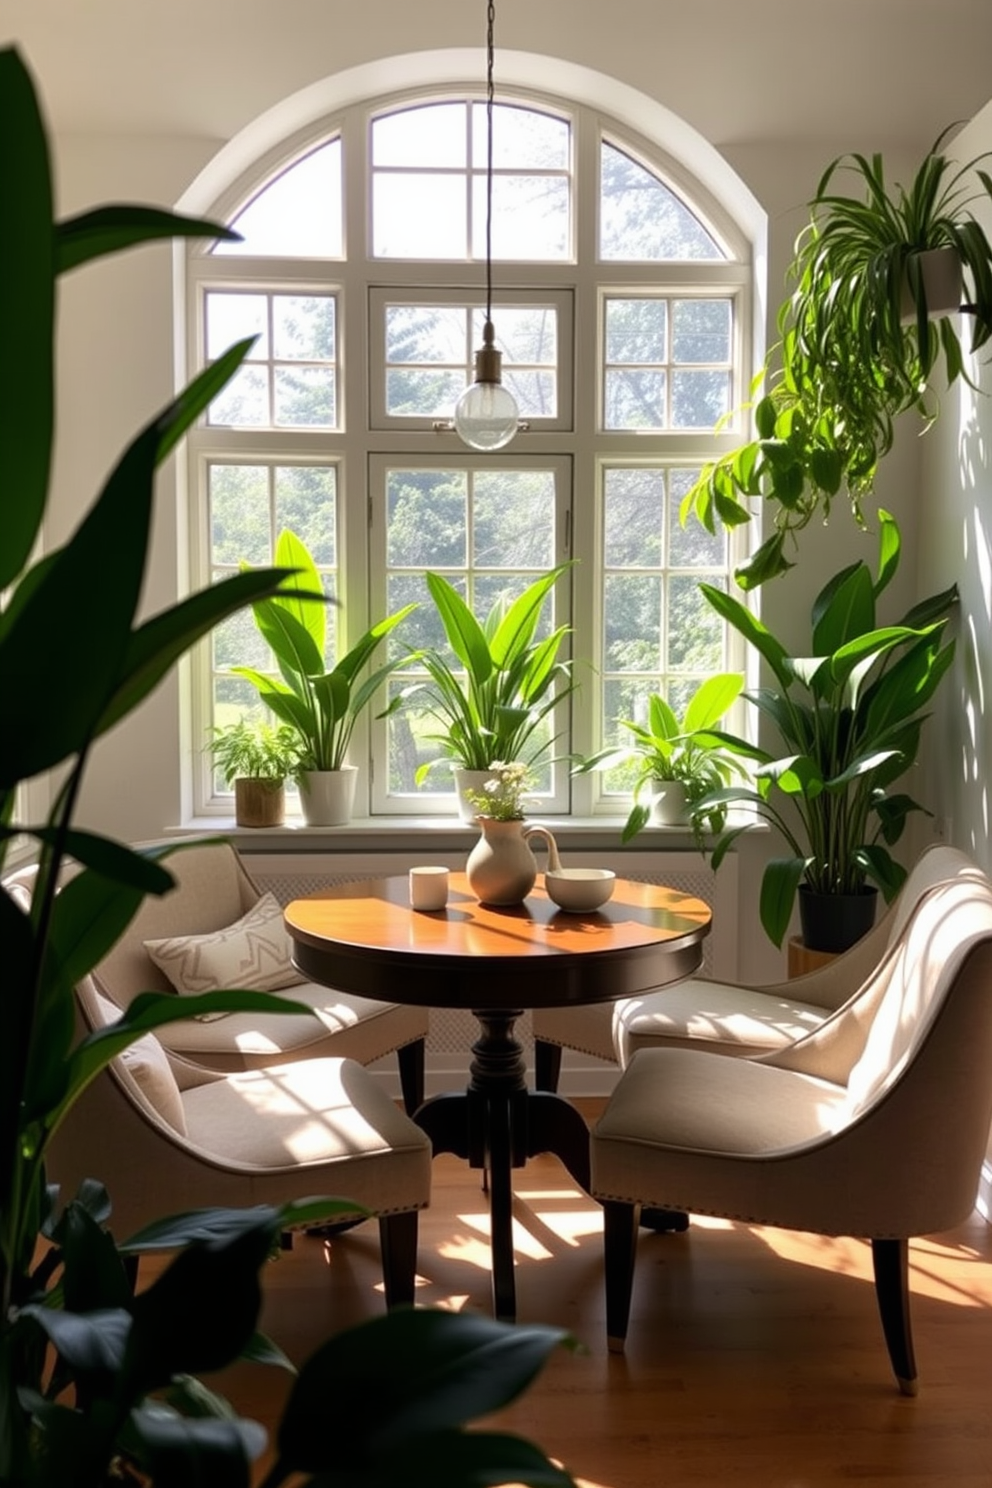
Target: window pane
[232,317]
[640,218]
[240,527]
[701,330]
[530,217]
[413,394]
[524,333]
[632,610]
[303,327]
[419,216]
[523,139]
[427,518]
[695,634]
[692,546]
[431,135]
[514,514]
[430,352]
[635,400]
[305,397]
[634,518]
[426,333]
[298,214]
[636,330]
[699,399]
[244,402]
[535,392]
[306,503]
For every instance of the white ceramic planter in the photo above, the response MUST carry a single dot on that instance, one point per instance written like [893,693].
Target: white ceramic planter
[670,805]
[327,797]
[466,780]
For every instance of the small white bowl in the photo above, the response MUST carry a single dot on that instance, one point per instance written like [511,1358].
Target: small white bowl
[579,889]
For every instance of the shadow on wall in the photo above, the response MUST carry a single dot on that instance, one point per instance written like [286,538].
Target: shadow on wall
[969,725]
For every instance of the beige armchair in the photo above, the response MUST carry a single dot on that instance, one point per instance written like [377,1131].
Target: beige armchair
[723,1017]
[166,1136]
[873,1125]
[213,892]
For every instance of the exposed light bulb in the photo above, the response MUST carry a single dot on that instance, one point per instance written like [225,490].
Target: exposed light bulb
[486,415]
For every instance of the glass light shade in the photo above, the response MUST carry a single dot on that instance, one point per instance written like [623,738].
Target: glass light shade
[486,416]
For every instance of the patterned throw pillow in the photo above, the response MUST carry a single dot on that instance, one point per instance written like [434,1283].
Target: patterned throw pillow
[253,953]
[147,1063]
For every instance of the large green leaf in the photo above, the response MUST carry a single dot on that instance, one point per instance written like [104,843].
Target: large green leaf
[111,229]
[456,1459]
[311,614]
[399,1376]
[157,644]
[517,629]
[27,314]
[889,549]
[44,724]
[93,1344]
[850,612]
[465,635]
[201,1311]
[182,1452]
[779,883]
[217,1224]
[292,643]
[711,700]
[750,627]
[352,662]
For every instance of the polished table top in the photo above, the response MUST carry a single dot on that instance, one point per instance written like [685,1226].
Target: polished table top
[365,937]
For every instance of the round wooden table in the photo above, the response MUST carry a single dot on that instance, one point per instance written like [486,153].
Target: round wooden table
[364,938]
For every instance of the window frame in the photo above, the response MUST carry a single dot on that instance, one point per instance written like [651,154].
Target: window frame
[361,283]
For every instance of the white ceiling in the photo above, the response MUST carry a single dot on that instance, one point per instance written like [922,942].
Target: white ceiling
[858,72]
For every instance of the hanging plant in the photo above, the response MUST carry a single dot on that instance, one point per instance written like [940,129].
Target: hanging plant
[860,341]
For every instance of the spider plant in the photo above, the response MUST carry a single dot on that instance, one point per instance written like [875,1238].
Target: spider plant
[859,344]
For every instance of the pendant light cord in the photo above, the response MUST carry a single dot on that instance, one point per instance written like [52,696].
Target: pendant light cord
[490,31]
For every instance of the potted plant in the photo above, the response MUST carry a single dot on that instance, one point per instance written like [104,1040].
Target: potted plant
[97,1385]
[848,716]
[512,678]
[676,761]
[320,706]
[860,336]
[257,759]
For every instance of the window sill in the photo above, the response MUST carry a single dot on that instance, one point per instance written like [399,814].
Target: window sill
[441,834]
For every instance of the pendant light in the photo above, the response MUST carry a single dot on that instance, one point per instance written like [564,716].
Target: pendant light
[486,415]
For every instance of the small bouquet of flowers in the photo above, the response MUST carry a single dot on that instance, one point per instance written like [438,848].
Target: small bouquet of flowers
[503,795]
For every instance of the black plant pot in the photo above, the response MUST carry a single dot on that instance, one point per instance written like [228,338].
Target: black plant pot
[833,922]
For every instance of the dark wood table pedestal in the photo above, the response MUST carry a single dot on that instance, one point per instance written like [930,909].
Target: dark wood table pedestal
[496,1124]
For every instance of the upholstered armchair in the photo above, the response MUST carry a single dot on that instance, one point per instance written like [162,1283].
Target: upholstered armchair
[724,1017]
[166,1136]
[874,1124]
[216,929]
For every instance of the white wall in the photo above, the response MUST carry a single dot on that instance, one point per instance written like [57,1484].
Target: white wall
[955,546]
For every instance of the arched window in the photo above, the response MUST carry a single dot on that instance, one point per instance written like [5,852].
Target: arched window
[621,302]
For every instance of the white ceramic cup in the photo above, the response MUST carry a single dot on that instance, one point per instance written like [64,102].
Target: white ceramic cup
[428,888]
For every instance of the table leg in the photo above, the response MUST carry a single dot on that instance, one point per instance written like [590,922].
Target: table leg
[496,1124]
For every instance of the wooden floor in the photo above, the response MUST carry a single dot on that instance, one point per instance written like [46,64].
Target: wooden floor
[755,1356]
